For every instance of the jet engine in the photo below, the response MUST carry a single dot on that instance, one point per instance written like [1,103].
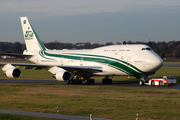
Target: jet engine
[62,75]
[11,71]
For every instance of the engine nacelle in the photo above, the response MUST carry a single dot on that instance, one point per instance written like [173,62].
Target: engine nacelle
[62,76]
[11,71]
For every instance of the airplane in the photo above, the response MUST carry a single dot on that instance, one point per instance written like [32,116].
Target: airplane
[77,66]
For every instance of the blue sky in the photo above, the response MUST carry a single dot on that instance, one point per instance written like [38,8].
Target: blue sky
[95,21]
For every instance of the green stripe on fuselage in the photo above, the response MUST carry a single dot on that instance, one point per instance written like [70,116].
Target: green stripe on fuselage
[102,59]
[110,58]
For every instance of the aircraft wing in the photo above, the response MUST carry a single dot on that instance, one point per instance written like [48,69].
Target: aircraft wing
[69,68]
[15,55]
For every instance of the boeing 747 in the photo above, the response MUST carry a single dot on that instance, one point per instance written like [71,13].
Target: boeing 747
[75,66]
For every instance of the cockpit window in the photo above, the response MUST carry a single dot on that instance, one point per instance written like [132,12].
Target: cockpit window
[146,49]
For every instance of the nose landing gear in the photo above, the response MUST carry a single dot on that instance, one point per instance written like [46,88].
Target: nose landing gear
[142,81]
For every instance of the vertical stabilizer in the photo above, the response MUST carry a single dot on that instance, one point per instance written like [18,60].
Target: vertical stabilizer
[31,38]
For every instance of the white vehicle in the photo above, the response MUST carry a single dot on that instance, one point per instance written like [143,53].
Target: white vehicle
[69,65]
[167,80]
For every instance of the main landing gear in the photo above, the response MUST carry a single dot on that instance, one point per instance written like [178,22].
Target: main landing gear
[75,81]
[88,80]
[78,80]
[106,80]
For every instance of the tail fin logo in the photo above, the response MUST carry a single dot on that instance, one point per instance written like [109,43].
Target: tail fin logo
[29,34]
[24,21]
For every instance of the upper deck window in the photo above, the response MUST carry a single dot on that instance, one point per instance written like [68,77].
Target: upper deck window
[146,49]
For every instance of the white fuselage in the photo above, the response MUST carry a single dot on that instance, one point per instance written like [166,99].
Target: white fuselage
[114,59]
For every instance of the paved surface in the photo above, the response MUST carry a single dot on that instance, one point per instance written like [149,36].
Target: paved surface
[48,115]
[24,81]
[118,84]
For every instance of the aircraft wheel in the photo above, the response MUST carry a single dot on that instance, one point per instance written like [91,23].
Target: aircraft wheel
[71,82]
[141,82]
[80,81]
[110,81]
[74,82]
[77,81]
[92,81]
[104,81]
[88,81]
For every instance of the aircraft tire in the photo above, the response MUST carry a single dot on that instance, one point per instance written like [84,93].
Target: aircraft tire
[80,81]
[141,82]
[77,81]
[92,81]
[71,82]
[110,81]
[106,81]
[103,81]
[74,81]
[88,81]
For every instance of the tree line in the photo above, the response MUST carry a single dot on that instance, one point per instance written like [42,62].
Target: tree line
[169,49]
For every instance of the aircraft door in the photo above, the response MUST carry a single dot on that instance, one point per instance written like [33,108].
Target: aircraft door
[117,50]
[128,59]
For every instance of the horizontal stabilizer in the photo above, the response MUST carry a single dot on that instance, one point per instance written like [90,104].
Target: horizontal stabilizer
[15,55]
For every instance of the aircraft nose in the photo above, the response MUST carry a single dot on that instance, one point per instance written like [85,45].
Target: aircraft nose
[157,62]
[154,62]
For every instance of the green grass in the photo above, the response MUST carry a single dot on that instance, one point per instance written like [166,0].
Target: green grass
[21,117]
[101,101]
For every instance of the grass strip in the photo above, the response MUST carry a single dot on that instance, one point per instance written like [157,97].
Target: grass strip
[100,101]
